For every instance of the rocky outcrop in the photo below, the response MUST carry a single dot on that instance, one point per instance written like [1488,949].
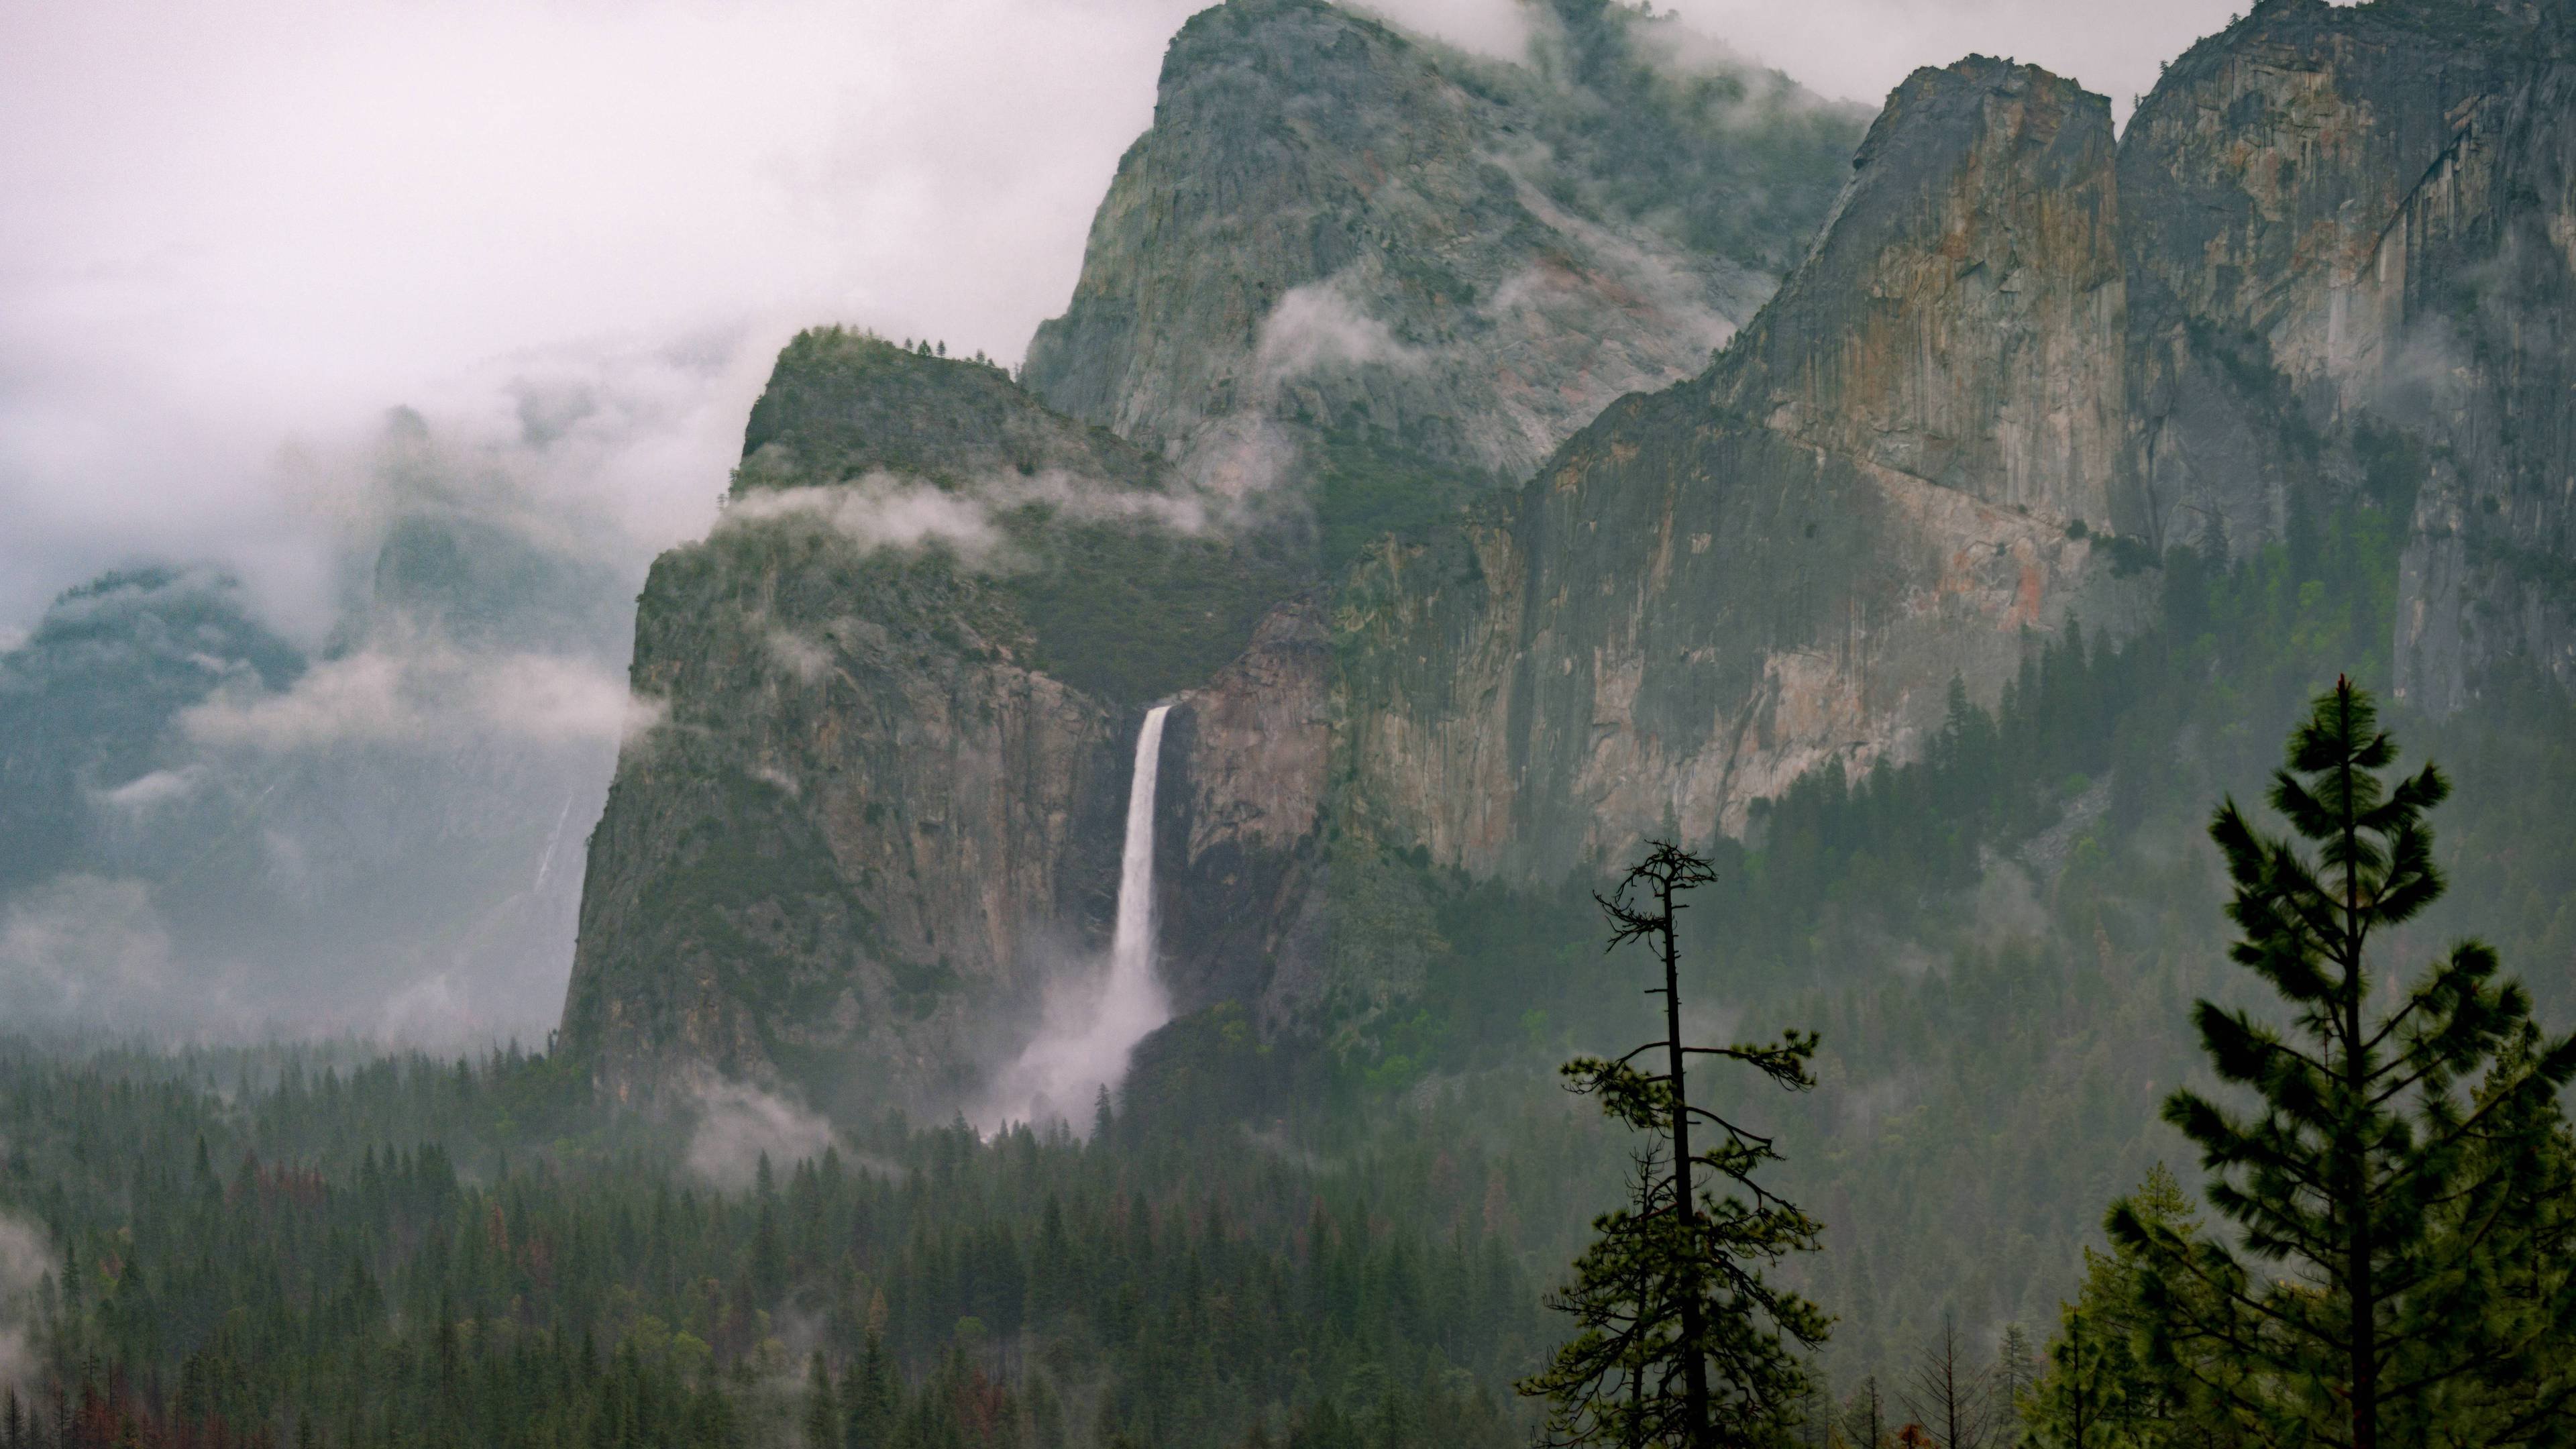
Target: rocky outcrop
[1960,319]
[840,407]
[882,805]
[840,855]
[1882,485]
[1334,227]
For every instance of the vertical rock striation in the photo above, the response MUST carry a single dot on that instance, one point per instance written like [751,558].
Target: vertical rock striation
[1241,846]
[2350,268]
[1785,561]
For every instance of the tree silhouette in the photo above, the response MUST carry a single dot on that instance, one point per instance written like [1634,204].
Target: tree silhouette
[2372,1197]
[1947,1394]
[1679,1339]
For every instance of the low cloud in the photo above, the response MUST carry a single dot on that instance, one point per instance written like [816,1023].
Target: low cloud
[145,794]
[877,511]
[1320,325]
[85,949]
[738,1124]
[426,692]
[888,511]
[436,1012]
[802,655]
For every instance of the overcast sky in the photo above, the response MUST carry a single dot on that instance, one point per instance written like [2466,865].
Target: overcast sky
[234,234]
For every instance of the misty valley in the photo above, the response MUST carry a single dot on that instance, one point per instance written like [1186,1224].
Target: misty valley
[1596,752]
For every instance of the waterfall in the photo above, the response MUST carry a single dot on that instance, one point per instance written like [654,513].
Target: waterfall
[1093,1023]
[1133,993]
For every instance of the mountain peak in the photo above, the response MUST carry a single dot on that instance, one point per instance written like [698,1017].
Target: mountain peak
[1336,230]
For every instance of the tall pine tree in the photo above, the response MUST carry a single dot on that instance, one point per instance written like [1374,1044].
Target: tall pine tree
[2395,1128]
[1680,1340]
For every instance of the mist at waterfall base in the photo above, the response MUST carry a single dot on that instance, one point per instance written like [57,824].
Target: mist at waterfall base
[1095,1018]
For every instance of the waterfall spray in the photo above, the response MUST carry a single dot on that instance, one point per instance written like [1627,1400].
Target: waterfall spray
[1089,1033]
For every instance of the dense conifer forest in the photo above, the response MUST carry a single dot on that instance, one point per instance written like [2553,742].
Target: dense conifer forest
[272,1247]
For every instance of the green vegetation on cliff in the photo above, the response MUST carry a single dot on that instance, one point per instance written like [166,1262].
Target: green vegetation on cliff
[1073,546]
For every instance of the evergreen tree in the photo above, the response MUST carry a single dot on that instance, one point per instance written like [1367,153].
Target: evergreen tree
[871,1397]
[2098,1390]
[822,1407]
[1865,1417]
[1679,1338]
[2356,1304]
[2016,1370]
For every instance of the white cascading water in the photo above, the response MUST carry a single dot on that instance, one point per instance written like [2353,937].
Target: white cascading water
[1088,1034]
[1132,983]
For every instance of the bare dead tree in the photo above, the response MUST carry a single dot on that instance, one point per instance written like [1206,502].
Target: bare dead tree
[1947,1395]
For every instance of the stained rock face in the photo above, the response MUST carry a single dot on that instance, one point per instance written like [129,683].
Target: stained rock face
[1241,819]
[1720,586]
[1334,226]
[2348,248]
[1960,320]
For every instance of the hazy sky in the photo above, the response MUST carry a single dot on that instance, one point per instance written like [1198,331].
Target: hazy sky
[234,234]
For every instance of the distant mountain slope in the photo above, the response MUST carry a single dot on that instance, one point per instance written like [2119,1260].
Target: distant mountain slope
[88,701]
[205,829]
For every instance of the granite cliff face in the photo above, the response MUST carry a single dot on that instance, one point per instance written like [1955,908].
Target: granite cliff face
[2326,268]
[846,835]
[881,811]
[2350,244]
[1241,824]
[1784,562]
[2328,264]
[1333,226]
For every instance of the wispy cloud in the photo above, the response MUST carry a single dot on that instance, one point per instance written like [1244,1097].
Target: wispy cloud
[430,692]
[87,949]
[739,1124]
